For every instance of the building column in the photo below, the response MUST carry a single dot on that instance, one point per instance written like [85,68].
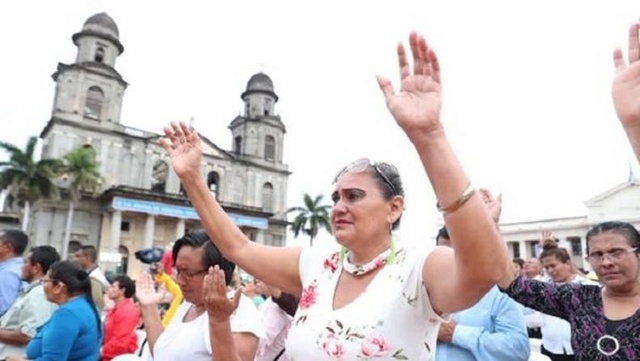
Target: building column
[180,227]
[583,253]
[149,228]
[116,222]
[524,252]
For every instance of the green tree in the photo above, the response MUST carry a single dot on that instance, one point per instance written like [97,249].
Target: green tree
[80,169]
[26,179]
[311,217]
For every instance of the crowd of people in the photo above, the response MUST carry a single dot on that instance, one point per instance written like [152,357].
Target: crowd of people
[371,297]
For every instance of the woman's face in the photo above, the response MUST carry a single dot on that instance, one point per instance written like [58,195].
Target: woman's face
[556,269]
[53,290]
[360,211]
[190,272]
[613,261]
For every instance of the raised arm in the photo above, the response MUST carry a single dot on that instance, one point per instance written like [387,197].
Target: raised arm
[626,89]
[275,265]
[478,252]
[554,300]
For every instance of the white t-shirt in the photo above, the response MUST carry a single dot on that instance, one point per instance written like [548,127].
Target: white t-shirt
[190,340]
[391,320]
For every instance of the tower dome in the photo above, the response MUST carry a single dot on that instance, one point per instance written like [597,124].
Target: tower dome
[103,26]
[260,83]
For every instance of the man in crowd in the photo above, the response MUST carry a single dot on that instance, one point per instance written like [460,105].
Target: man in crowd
[13,243]
[121,322]
[492,329]
[19,324]
[87,258]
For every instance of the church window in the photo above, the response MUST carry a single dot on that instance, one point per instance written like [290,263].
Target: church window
[93,103]
[237,145]
[267,197]
[267,106]
[99,55]
[269,148]
[159,175]
[213,182]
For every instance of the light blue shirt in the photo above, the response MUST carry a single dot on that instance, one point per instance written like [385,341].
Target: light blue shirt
[10,282]
[493,329]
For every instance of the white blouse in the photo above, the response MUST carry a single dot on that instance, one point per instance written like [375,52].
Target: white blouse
[190,340]
[391,320]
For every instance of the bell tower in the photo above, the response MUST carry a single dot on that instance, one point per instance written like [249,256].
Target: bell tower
[91,89]
[259,132]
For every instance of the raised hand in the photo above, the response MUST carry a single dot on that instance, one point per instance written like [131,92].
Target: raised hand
[545,235]
[416,107]
[493,203]
[146,291]
[219,306]
[183,146]
[626,84]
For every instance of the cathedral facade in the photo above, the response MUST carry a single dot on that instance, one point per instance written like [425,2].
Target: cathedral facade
[142,203]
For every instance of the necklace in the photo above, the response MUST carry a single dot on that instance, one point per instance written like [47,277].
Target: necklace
[388,256]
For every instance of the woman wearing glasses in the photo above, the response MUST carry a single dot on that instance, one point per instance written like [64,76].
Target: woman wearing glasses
[370,298]
[604,319]
[194,331]
[74,331]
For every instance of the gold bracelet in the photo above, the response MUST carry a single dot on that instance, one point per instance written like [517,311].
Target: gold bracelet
[466,195]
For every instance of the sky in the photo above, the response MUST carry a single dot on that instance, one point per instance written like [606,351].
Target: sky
[526,86]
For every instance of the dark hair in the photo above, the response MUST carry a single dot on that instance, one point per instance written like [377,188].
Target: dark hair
[389,171]
[17,239]
[519,261]
[45,256]
[550,249]
[211,256]
[125,283]
[628,231]
[90,252]
[76,281]
[442,232]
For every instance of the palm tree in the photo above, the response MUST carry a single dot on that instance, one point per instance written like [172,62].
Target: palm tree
[310,218]
[81,170]
[28,180]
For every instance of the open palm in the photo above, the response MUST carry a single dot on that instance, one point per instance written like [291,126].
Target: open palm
[146,291]
[416,107]
[183,146]
[626,84]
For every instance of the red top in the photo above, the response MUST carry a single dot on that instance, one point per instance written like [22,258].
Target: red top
[120,330]
[167,262]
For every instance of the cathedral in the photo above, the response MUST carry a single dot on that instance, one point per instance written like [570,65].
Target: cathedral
[142,203]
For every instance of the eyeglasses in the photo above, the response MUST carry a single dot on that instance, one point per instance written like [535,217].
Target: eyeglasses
[612,255]
[189,275]
[363,164]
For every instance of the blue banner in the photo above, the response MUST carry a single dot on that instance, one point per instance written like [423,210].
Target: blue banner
[169,210]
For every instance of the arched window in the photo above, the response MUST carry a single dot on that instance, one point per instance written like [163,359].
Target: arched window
[267,197]
[237,145]
[159,176]
[99,55]
[268,105]
[93,103]
[270,148]
[213,180]
[121,268]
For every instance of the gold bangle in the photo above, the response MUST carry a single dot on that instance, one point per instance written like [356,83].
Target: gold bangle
[466,195]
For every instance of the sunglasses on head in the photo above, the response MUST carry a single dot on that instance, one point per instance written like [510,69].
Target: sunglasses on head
[362,165]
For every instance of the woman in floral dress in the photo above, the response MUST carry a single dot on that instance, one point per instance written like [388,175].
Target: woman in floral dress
[371,297]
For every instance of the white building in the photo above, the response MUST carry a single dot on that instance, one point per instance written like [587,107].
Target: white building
[620,203]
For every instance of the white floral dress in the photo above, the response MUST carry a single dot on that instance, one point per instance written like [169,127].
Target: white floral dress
[391,320]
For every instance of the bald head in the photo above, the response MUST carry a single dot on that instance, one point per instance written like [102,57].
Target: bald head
[532,268]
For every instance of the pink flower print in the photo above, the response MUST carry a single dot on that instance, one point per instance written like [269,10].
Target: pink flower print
[338,351]
[331,263]
[366,351]
[379,263]
[381,343]
[308,296]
